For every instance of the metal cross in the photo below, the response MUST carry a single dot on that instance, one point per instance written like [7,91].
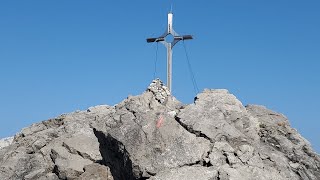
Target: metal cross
[169,46]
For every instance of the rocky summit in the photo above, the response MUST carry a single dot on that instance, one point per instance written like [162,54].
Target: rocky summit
[154,136]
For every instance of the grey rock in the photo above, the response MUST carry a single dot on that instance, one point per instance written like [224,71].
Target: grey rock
[68,165]
[5,142]
[285,143]
[96,172]
[213,114]
[49,176]
[187,173]
[35,174]
[249,173]
[148,139]
[84,145]
[245,153]
[34,128]
[223,146]
[154,136]
[217,159]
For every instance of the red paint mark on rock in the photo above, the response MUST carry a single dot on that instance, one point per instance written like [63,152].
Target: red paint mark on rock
[160,122]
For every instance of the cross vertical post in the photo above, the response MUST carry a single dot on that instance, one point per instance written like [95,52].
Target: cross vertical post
[169,46]
[169,66]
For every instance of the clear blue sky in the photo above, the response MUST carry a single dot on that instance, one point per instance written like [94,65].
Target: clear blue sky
[60,56]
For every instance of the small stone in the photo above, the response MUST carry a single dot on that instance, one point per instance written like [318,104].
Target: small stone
[96,172]
[294,165]
[35,174]
[172,113]
[223,146]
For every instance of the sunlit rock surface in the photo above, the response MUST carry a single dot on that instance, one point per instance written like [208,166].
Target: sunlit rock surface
[154,136]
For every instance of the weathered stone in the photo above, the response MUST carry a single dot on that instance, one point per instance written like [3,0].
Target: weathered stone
[84,145]
[49,176]
[294,165]
[5,142]
[149,139]
[213,114]
[35,174]
[96,172]
[154,136]
[34,128]
[223,146]
[187,173]
[217,159]
[283,144]
[18,163]
[68,165]
[245,153]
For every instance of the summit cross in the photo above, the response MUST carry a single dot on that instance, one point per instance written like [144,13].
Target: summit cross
[169,46]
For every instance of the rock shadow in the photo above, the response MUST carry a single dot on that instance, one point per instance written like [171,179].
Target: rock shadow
[115,156]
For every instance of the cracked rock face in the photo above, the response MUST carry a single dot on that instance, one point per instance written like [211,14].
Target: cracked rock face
[153,136]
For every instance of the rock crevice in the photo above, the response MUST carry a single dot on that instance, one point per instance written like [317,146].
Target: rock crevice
[115,156]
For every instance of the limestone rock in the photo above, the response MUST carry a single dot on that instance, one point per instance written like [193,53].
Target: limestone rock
[154,136]
[96,172]
[85,146]
[147,140]
[68,165]
[214,114]
[187,173]
[5,142]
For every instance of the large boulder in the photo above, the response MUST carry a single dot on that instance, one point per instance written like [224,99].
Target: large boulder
[145,138]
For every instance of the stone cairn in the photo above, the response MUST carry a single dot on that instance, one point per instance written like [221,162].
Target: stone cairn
[160,91]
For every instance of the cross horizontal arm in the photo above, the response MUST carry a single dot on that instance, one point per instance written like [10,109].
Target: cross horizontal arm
[184,37]
[187,37]
[176,38]
[151,40]
[179,38]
